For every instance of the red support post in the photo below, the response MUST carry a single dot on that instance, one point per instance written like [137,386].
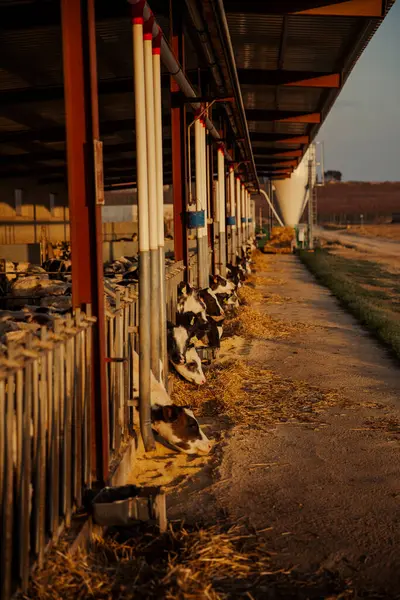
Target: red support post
[179,151]
[82,129]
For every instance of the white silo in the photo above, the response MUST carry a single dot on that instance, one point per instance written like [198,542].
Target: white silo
[292,193]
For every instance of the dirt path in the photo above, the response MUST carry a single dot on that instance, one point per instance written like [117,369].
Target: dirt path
[325,494]
[375,248]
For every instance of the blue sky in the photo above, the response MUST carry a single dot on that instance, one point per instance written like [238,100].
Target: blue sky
[361,134]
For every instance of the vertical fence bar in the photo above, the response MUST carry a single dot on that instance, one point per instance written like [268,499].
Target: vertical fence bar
[68,413]
[222,212]
[6,538]
[25,496]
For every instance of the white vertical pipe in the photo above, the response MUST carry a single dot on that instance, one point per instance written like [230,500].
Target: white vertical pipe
[160,203]
[239,214]
[243,205]
[207,175]
[232,203]
[155,307]
[151,141]
[204,178]
[199,195]
[221,211]
[158,143]
[144,242]
[248,213]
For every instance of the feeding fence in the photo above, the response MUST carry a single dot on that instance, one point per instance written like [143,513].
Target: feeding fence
[45,441]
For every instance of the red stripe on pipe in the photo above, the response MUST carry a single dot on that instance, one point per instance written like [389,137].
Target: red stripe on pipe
[147,36]
[137,20]
[156,50]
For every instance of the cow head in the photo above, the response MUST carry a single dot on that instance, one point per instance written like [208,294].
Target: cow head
[179,427]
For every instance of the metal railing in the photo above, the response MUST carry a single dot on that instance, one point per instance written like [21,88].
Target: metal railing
[45,441]
[174,274]
[121,332]
[46,422]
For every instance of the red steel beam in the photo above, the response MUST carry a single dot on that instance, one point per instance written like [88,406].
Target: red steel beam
[298,139]
[82,128]
[178,132]
[324,81]
[351,8]
[288,116]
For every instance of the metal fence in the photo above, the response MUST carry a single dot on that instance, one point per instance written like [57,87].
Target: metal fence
[121,331]
[45,423]
[45,441]
[174,274]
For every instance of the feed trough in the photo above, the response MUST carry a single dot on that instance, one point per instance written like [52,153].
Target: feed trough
[127,504]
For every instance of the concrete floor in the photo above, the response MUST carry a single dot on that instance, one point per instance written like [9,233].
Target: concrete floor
[331,497]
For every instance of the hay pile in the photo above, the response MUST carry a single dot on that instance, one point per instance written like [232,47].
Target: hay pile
[248,294]
[252,397]
[280,241]
[211,564]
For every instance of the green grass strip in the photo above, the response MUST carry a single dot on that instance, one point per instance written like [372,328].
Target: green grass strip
[344,277]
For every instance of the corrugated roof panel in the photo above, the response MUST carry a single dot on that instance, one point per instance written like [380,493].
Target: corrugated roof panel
[255,39]
[41,47]
[261,126]
[302,99]
[258,96]
[292,128]
[316,43]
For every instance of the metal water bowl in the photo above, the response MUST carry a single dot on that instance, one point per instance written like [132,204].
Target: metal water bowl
[127,504]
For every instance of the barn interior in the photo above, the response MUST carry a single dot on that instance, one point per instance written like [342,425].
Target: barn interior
[261,76]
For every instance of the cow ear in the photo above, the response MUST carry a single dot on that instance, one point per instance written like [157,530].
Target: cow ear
[170,413]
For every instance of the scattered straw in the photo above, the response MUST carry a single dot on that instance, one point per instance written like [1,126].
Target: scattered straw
[202,564]
[248,294]
[255,397]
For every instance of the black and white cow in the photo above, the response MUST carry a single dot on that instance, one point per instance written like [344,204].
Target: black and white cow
[214,309]
[235,274]
[190,309]
[183,355]
[57,268]
[176,424]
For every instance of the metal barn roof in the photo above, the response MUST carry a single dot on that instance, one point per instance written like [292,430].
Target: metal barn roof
[292,58]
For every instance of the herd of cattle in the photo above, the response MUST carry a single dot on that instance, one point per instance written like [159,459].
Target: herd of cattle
[39,295]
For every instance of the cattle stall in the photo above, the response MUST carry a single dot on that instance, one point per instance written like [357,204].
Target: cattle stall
[118,97]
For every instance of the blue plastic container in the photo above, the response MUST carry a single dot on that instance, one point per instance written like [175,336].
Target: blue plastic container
[195,219]
[243,219]
[231,220]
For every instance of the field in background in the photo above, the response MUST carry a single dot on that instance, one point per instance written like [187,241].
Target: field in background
[369,291]
[345,202]
[390,232]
